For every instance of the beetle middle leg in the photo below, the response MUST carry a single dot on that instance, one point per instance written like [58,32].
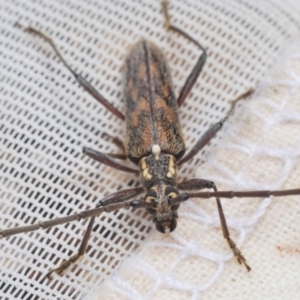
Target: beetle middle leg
[198,184]
[81,80]
[107,160]
[115,140]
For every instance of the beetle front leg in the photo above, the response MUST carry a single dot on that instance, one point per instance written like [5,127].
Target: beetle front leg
[118,197]
[198,184]
[81,251]
[237,253]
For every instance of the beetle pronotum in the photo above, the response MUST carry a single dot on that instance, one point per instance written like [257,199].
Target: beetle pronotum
[154,143]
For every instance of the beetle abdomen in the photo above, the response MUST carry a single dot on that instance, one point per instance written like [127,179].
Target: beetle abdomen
[151,116]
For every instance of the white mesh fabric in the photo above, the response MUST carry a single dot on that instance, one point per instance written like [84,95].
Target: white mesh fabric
[260,150]
[46,119]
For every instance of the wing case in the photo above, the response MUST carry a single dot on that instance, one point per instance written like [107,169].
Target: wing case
[151,106]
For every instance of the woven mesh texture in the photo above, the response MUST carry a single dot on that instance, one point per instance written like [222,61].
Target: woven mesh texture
[260,150]
[46,119]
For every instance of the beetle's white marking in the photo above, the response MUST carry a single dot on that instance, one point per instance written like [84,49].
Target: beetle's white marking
[172,170]
[143,164]
[149,199]
[156,151]
[146,174]
[171,163]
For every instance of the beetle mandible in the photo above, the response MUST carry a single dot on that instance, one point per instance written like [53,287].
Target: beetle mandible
[154,143]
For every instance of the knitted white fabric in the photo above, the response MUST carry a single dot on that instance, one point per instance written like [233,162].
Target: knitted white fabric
[46,119]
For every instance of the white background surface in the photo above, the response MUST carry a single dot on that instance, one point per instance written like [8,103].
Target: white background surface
[46,119]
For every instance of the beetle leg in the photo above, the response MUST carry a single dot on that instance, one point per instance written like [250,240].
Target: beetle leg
[237,253]
[81,80]
[212,131]
[115,140]
[118,197]
[82,249]
[117,155]
[189,83]
[107,160]
[112,199]
[108,204]
[203,141]
[195,184]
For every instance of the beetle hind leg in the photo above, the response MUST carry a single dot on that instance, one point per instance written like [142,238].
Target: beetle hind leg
[192,78]
[83,82]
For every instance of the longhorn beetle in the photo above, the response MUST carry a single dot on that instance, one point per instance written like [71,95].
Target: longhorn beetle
[154,143]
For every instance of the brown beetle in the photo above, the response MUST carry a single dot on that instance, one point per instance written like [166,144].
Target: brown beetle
[154,143]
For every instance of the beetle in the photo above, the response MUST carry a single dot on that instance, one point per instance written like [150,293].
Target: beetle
[154,143]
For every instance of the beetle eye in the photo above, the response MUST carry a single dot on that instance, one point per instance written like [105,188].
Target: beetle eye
[171,197]
[153,203]
[151,193]
[151,211]
[171,190]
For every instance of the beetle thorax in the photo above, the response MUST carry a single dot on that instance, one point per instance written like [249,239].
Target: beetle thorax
[158,166]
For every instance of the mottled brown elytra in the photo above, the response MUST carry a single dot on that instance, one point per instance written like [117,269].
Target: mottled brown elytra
[154,143]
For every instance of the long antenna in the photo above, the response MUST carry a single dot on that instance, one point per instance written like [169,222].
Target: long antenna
[97,211]
[58,221]
[244,194]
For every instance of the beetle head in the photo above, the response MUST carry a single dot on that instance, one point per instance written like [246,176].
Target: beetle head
[158,201]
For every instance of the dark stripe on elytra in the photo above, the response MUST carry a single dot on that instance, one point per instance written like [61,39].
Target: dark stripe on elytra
[151,96]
